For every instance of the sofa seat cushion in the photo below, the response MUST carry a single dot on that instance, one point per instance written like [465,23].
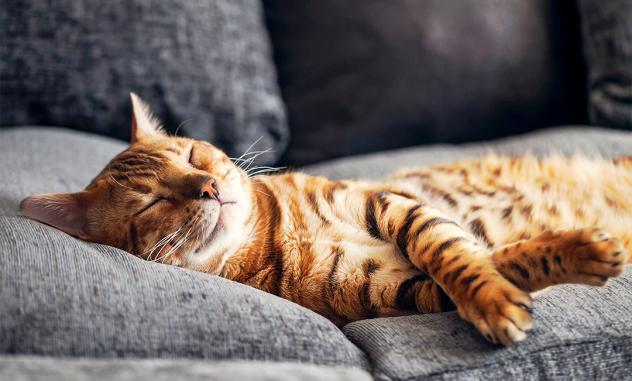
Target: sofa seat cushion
[60,296]
[36,368]
[579,332]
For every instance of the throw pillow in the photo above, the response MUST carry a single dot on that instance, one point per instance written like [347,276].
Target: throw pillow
[73,63]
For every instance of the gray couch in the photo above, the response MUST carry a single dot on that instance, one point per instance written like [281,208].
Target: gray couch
[397,82]
[71,310]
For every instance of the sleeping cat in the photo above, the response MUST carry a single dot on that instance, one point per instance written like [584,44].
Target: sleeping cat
[477,236]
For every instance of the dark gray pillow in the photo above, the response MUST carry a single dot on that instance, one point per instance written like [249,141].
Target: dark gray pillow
[361,76]
[73,63]
[607,45]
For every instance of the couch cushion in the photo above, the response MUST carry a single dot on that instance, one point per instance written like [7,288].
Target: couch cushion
[361,76]
[607,47]
[73,63]
[63,297]
[35,368]
[580,332]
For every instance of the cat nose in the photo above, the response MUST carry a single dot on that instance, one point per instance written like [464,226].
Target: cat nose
[208,189]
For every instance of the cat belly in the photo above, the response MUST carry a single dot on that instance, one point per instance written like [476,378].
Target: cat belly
[346,280]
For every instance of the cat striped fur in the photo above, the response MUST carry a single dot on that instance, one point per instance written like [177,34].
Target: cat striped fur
[477,236]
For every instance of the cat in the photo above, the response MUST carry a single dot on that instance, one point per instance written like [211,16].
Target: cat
[477,236]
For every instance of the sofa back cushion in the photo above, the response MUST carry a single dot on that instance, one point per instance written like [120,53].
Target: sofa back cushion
[73,63]
[360,76]
[607,47]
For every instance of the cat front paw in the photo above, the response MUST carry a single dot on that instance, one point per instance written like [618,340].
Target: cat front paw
[500,311]
[593,256]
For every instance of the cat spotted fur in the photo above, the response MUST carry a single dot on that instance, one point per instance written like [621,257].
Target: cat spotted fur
[477,236]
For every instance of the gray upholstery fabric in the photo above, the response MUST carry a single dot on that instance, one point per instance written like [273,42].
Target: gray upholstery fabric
[363,76]
[73,63]
[63,297]
[580,333]
[607,46]
[568,140]
[31,368]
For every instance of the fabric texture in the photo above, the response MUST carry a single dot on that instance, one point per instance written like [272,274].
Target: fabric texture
[63,297]
[580,333]
[204,65]
[607,47]
[36,368]
[365,76]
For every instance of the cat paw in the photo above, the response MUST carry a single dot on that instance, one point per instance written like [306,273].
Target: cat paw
[595,256]
[500,311]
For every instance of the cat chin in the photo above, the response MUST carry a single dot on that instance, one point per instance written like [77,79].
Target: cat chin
[217,243]
[226,237]
[217,224]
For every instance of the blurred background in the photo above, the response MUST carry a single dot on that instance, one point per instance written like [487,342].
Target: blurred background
[390,74]
[319,79]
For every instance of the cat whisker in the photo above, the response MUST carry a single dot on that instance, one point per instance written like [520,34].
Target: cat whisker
[197,235]
[162,244]
[112,176]
[181,242]
[250,159]
[181,124]
[257,154]
[257,190]
[248,150]
[264,167]
[252,145]
[235,160]
[264,171]
[247,177]
[244,163]
[187,235]
[254,157]
[173,249]
[235,166]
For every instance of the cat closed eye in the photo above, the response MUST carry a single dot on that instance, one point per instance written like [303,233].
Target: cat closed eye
[192,158]
[151,204]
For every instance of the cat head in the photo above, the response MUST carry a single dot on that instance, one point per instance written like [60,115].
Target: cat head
[165,198]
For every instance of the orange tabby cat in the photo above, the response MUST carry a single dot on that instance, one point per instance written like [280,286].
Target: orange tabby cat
[471,235]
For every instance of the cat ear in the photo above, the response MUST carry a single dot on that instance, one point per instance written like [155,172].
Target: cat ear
[144,123]
[64,211]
